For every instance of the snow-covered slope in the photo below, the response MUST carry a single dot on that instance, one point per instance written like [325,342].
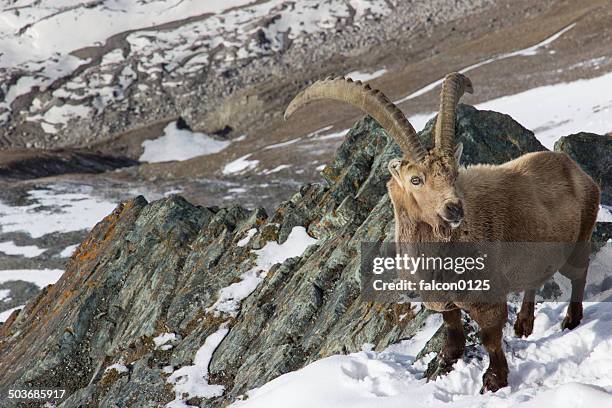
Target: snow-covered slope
[37,40]
[157,41]
[549,369]
[58,208]
[549,111]
[553,111]
[40,30]
[557,110]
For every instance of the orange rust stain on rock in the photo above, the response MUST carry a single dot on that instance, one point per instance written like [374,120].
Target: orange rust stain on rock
[91,284]
[329,173]
[50,303]
[64,296]
[90,249]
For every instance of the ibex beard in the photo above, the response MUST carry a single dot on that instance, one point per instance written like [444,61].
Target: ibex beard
[541,197]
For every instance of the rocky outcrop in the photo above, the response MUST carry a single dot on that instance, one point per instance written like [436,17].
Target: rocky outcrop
[592,151]
[30,164]
[153,268]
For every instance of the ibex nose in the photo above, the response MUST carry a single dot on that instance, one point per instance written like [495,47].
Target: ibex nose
[454,211]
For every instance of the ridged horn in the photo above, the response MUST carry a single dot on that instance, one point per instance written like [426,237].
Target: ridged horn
[371,101]
[453,87]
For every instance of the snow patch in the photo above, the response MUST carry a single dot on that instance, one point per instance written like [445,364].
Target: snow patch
[55,209]
[561,109]
[68,251]
[39,277]
[571,395]
[161,341]
[276,169]
[48,26]
[244,241]
[37,39]
[240,165]
[120,368]
[192,381]
[365,76]
[180,144]
[272,253]
[27,251]
[4,294]
[173,191]
[234,33]
[60,115]
[549,369]
[319,131]
[7,313]
[604,214]
[525,52]
[282,144]
[334,135]
[553,111]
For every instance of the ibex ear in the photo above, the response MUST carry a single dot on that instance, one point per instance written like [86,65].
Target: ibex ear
[394,167]
[458,152]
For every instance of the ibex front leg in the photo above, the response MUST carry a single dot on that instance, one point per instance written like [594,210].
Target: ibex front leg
[491,318]
[574,310]
[455,338]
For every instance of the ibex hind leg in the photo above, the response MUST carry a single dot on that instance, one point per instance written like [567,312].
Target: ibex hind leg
[524,320]
[573,315]
[576,270]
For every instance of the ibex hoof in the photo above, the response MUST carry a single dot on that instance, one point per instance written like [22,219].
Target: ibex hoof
[569,323]
[492,381]
[523,327]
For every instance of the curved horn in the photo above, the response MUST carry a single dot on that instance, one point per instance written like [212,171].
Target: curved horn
[453,87]
[371,101]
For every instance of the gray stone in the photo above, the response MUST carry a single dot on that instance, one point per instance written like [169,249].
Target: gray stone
[594,153]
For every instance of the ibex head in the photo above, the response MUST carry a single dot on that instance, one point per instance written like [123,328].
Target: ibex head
[427,179]
[429,184]
[429,188]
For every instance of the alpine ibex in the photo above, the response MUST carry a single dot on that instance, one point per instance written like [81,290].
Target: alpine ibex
[541,197]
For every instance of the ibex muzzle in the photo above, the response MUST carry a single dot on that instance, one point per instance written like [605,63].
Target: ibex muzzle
[453,213]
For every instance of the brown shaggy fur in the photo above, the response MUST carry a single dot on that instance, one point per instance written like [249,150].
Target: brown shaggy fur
[538,197]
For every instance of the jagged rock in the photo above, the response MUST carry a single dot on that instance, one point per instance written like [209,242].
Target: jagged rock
[594,153]
[29,164]
[150,268]
[489,137]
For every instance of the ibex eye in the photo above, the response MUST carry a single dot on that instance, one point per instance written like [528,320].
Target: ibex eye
[415,180]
